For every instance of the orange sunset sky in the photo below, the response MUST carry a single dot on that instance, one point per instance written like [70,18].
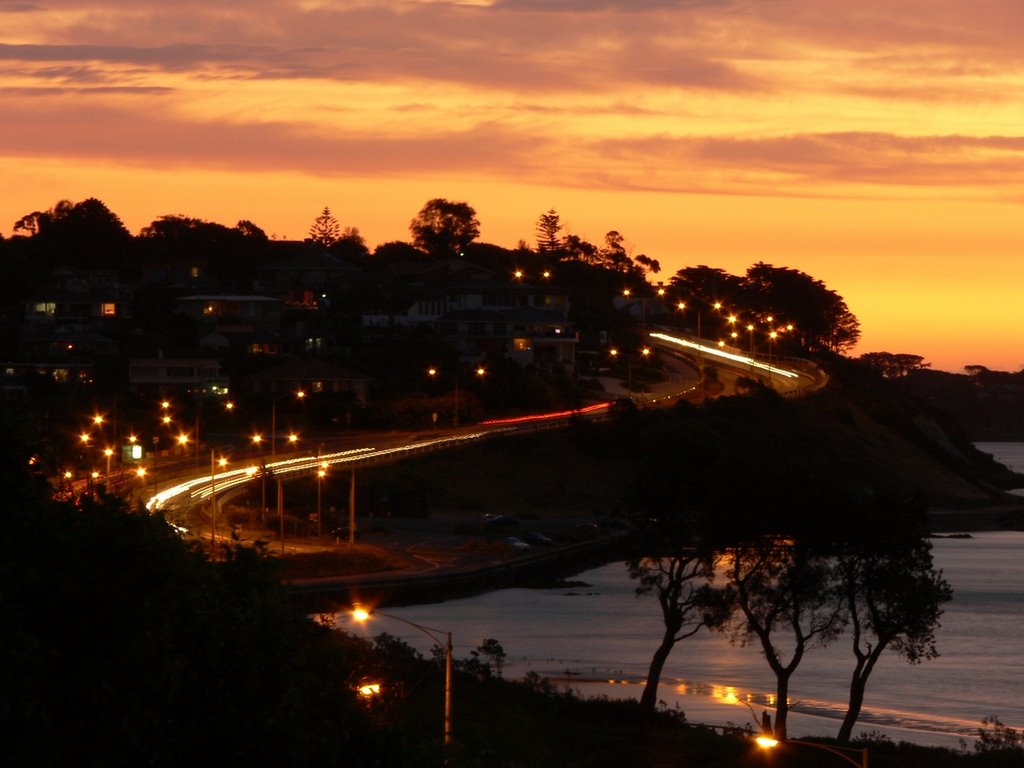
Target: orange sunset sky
[875,144]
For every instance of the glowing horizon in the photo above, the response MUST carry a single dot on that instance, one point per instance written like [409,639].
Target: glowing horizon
[875,146]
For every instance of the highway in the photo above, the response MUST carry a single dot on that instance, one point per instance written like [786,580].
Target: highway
[192,489]
[787,376]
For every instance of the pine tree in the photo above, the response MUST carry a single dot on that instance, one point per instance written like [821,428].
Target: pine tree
[325,230]
[548,227]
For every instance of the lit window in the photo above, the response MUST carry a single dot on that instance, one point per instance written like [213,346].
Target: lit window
[108,309]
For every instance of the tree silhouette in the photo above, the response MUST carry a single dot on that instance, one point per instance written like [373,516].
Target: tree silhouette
[548,227]
[823,322]
[578,249]
[893,366]
[443,228]
[86,235]
[893,601]
[785,596]
[679,581]
[325,230]
[249,229]
[706,285]
[231,254]
[648,264]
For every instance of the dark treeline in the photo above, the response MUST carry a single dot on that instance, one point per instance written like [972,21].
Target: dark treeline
[88,236]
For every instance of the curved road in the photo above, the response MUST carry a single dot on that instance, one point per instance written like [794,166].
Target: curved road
[685,353]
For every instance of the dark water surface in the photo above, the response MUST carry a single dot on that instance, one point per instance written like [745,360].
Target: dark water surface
[599,638]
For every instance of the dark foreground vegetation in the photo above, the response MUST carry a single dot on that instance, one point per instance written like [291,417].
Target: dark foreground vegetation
[122,645]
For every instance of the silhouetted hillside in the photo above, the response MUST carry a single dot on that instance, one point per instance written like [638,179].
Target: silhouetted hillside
[989,405]
[860,436]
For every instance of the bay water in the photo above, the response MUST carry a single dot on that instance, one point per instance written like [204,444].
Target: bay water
[597,638]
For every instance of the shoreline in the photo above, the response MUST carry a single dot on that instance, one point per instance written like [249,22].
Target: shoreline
[389,589]
[1002,517]
[411,587]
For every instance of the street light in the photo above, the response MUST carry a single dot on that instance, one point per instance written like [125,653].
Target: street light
[645,353]
[293,439]
[257,440]
[626,292]
[300,394]
[361,614]
[320,475]
[767,742]
[221,462]
[432,373]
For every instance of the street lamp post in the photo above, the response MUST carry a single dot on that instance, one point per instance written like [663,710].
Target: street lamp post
[257,439]
[766,741]
[432,373]
[320,474]
[627,293]
[300,394]
[361,614]
[352,509]
[292,440]
[213,495]
[156,447]
[645,352]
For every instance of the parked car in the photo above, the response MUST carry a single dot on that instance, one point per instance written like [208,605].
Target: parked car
[342,533]
[534,537]
[516,543]
[494,522]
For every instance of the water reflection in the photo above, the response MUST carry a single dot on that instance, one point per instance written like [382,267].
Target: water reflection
[599,641]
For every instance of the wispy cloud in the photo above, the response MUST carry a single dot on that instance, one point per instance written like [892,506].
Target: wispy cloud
[730,96]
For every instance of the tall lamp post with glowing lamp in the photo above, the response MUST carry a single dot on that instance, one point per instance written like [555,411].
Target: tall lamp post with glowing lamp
[765,741]
[645,354]
[293,440]
[300,395]
[432,372]
[221,462]
[362,614]
[321,473]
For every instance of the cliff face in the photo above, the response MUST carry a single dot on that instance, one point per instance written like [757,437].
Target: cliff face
[925,444]
[989,405]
